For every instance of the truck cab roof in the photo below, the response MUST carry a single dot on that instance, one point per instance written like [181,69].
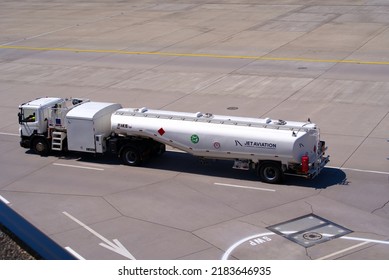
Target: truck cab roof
[42,102]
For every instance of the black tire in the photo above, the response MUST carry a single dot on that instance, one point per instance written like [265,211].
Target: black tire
[270,172]
[130,156]
[40,146]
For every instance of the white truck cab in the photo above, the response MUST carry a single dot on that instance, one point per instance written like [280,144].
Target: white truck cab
[37,116]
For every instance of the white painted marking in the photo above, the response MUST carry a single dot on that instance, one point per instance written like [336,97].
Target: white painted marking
[227,254]
[114,246]
[77,166]
[96,165]
[244,187]
[259,241]
[359,170]
[4,200]
[366,171]
[74,253]
[344,250]
[9,134]
[365,239]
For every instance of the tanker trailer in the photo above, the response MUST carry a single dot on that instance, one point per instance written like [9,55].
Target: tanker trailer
[273,148]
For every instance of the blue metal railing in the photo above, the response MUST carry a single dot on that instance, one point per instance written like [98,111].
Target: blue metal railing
[40,244]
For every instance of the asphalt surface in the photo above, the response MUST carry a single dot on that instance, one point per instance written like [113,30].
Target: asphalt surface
[290,60]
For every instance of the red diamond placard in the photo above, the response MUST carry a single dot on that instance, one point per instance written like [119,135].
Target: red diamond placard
[161,131]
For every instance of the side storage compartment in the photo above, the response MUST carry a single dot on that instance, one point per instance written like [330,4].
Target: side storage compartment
[87,126]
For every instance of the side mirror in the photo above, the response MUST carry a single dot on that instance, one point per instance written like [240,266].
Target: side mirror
[20,117]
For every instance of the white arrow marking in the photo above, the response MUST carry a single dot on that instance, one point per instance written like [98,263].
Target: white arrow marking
[115,246]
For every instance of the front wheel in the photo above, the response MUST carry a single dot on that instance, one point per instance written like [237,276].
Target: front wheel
[131,156]
[41,146]
[270,172]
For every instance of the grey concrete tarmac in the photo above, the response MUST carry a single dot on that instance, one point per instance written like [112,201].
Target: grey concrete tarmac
[288,60]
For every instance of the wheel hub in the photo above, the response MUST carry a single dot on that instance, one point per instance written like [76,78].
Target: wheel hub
[270,173]
[40,147]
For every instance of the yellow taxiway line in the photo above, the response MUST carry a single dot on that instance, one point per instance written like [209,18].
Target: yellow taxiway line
[75,50]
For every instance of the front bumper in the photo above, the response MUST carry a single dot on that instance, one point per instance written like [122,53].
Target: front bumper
[25,143]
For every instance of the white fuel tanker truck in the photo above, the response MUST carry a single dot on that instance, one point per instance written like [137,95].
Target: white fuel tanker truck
[273,148]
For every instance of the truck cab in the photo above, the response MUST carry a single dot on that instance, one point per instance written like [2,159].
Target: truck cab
[34,116]
[35,119]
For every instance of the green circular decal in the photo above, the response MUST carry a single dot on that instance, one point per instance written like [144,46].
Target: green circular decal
[195,139]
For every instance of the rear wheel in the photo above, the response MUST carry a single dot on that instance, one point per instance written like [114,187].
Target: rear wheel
[131,156]
[40,146]
[270,172]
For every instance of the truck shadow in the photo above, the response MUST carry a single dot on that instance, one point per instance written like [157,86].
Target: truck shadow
[185,163]
[327,178]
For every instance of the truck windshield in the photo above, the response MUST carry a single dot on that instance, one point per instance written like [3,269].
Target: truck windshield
[27,115]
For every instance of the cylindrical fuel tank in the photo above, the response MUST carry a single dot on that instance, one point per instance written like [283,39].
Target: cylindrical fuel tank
[217,136]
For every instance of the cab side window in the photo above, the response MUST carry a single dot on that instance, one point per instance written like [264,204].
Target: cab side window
[29,115]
